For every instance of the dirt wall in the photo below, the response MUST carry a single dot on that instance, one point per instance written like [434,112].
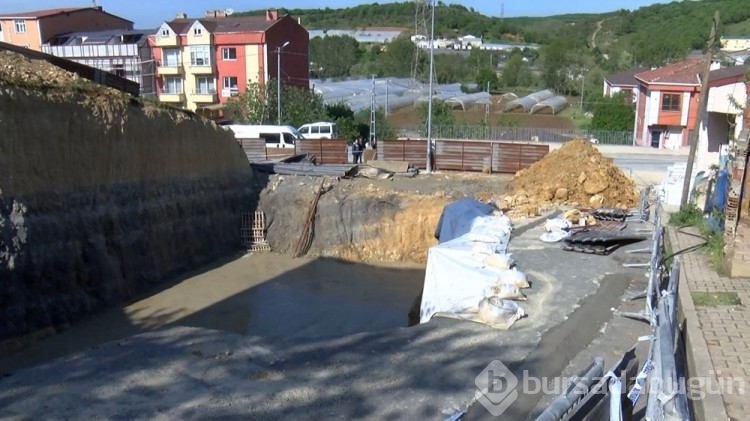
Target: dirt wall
[369,224]
[101,198]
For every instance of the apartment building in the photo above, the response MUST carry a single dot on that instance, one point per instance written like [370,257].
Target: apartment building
[203,62]
[33,29]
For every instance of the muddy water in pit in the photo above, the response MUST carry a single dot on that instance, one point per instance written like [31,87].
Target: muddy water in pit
[559,345]
[266,295]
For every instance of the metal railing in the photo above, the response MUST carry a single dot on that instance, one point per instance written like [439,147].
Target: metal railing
[531,134]
[664,372]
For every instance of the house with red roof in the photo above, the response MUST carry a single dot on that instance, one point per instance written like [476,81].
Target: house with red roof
[35,28]
[202,62]
[666,106]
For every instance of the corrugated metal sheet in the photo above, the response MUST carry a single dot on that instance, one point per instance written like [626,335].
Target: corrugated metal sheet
[255,149]
[459,155]
[95,75]
[326,151]
[412,151]
[512,157]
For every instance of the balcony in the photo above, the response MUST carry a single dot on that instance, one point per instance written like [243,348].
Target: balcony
[169,68]
[167,41]
[203,95]
[200,68]
[167,95]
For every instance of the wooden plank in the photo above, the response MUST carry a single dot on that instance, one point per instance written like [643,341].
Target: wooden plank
[255,149]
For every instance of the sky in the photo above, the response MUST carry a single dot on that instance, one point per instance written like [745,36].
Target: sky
[151,13]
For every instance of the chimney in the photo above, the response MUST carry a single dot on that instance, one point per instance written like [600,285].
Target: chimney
[181,15]
[216,14]
[272,15]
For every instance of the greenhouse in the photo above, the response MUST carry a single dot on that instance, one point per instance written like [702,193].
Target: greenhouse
[466,102]
[525,104]
[392,93]
[550,106]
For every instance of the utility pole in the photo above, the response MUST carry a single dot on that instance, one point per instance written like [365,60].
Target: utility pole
[487,107]
[387,82]
[583,87]
[278,82]
[702,100]
[429,94]
[373,109]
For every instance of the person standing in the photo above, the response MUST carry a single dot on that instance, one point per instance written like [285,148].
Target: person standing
[358,150]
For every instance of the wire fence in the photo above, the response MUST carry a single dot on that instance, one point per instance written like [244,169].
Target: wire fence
[530,134]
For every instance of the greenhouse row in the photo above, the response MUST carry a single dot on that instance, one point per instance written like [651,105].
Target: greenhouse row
[396,93]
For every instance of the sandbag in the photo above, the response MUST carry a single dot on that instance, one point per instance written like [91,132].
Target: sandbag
[499,313]
[514,277]
[557,224]
[498,261]
[507,292]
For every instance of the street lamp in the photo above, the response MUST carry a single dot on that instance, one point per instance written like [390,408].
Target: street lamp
[278,82]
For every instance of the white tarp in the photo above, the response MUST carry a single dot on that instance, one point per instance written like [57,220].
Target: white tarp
[457,276]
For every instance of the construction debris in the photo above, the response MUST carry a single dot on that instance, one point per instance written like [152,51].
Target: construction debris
[576,174]
[254,231]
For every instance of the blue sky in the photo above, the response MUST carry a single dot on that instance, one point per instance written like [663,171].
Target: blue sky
[150,13]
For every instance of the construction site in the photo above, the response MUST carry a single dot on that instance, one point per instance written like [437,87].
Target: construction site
[150,271]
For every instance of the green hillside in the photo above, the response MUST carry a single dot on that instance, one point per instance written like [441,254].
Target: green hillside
[649,35]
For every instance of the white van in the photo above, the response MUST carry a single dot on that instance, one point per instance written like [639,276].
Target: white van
[319,130]
[275,136]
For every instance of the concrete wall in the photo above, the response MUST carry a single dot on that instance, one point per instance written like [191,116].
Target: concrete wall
[101,200]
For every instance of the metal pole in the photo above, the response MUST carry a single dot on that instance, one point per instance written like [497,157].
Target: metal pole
[583,87]
[278,85]
[429,94]
[387,82]
[703,97]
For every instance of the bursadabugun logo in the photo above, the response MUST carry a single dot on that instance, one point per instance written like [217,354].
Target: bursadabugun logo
[498,388]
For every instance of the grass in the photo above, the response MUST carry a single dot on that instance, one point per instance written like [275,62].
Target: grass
[578,118]
[691,216]
[714,299]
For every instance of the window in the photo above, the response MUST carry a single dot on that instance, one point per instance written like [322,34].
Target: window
[315,129]
[230,82]
[670,102]
[170,57]
[229,54]
[204,85]
[20,26]
[197,31]
[172,86]
[325,129]
[119,70]
[271,138]
[305,130]
[288,138]
[200,55]
[165,32]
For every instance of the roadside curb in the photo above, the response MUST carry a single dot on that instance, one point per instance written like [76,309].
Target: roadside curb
[698,359]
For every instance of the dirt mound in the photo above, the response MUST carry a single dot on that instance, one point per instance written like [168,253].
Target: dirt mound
[576,174]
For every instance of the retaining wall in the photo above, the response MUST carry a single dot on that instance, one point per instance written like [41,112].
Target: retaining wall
[101,199]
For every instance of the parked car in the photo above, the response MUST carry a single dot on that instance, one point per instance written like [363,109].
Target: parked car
[275,136]
[319,130]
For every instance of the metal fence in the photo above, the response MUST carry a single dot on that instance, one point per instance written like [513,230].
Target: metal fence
[529,134]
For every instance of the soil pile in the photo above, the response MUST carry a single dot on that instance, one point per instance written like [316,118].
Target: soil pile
[17,69]
[576,174]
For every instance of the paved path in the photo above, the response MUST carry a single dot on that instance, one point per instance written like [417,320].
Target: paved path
[726,329]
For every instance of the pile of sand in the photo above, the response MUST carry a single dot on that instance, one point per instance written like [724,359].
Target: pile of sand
[576,174]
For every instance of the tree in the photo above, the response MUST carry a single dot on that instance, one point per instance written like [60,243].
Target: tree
[257,105]
[512,71]
[383,129]
[442,114]
[334,56]
[487,76]
[343,115]
[397,58]
[614,112]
